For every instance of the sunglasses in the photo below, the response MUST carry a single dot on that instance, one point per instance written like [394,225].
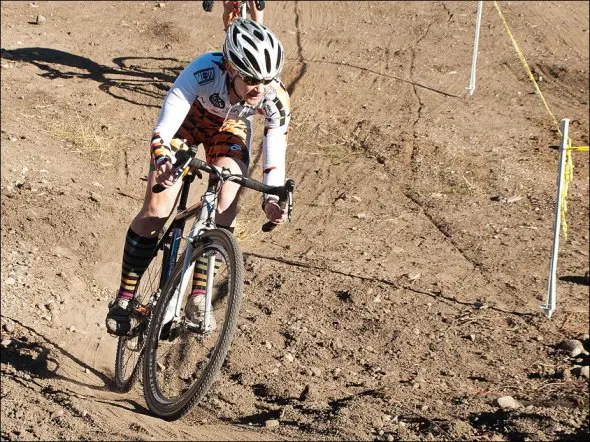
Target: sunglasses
[255,82]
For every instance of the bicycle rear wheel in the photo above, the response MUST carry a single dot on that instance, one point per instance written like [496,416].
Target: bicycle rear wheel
[130,348]
[181,359]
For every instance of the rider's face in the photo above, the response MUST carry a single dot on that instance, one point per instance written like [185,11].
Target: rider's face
[250,93]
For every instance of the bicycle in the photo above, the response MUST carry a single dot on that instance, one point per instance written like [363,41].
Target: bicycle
[240,8]
[181,356]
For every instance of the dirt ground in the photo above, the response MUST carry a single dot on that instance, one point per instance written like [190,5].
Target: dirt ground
[403,298]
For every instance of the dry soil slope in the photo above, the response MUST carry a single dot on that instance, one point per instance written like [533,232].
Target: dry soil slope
[382,128]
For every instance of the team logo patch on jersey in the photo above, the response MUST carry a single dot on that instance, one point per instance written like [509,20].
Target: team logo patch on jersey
[217,101]
[205,76]
[235,147]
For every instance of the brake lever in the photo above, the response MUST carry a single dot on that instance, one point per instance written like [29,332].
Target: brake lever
[289,187]
[184,157]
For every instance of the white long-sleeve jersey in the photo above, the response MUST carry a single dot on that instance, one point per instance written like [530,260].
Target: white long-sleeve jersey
[205,80]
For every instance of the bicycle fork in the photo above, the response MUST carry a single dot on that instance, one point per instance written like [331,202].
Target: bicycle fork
[173,313]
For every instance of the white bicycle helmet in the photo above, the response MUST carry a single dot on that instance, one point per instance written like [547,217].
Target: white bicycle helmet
[253,50]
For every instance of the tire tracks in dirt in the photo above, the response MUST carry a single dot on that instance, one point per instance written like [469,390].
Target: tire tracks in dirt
[440,226]
[420,103]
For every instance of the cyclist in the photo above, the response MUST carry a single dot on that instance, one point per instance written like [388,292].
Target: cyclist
[213,102]
[255,7]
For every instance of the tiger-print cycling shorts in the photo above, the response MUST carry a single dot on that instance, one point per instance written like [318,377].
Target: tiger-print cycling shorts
[220,138]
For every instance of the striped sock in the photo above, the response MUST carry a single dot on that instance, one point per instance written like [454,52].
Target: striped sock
[137,255]
[200,275]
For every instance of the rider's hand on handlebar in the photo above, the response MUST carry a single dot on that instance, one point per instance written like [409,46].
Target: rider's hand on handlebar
[274,212]
[164,173]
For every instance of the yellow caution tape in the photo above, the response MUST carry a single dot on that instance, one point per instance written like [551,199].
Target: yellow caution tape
[526,66]
[568,175]
[569,165]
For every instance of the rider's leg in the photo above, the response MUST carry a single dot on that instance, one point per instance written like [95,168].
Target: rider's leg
[228,8]
[228,202]
[225,218]
[143,233]
[255,13]
[226,147]
[140,246]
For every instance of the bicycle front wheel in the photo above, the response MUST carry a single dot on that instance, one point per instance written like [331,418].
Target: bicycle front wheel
[182,357]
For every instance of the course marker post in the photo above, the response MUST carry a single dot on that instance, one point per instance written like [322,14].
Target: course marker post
[471,86]
[549,307]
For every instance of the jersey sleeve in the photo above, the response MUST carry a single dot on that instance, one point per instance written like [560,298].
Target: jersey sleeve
[175,107]
[277,114]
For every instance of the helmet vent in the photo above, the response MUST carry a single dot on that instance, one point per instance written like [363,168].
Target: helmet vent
[235,36]
[279,57]
[235,59]
[252,59]
[258,35]
[249,40]
[267,60]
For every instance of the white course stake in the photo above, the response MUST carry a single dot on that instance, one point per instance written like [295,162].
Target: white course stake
[471,86]
[549,307]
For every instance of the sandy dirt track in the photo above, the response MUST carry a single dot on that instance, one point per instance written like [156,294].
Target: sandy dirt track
[404,296]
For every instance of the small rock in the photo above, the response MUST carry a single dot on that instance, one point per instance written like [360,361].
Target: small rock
[572,346]
[507,402]
[585,371]
[6,343]
[9,327]
[289,357]
[356,198]
[40,20]
[413,276]
[513,199]
[268,345]
[271,423]
[316,371]
[361,216]
[51,306]
[390,438]
[336,372]
[308,393]
[72,329]
[57,413]
[95,197]
[10,281]
[84,413]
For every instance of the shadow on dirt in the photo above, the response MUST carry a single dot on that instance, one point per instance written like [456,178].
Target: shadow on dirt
[451,300]
[147,76]
[380,74]
[29,357]
[513,425]
[34,358]
[576,279]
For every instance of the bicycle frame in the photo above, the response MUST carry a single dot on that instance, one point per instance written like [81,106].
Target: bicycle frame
[204,221]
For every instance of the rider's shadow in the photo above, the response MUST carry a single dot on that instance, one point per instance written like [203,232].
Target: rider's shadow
[129,80]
